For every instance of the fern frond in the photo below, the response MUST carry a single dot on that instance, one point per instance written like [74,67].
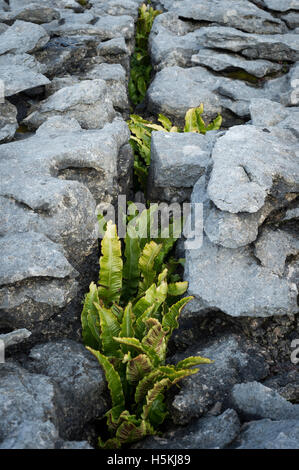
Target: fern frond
[89,316]
[177,288]
[170,319]
[110,327]
[113,380]
[137,368]
[193,361]
[153,394]
[147,384]
[131,272]
[111,266]
[155,338]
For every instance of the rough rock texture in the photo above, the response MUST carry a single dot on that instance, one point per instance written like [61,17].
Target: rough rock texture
[276,5]
[79,379]
[267,434]
[215,432]
[38,410]
[253,46]
[176,89]
[241,180]
[15,337]
[64,70]
[223,62]
[23,37]
[235,360]
[27,409]
[286,384]
[87,102]
[17,78]
[242,14]
[254,174]
[177,161]
[103,27]
[255,401]
[54,210]
[8,121]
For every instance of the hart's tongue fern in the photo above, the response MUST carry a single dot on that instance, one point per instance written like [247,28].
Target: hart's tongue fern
[127,321]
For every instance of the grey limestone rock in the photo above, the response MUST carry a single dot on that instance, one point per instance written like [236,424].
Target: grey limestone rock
[235,359]
[234,283]
[175,90]
[23,37]
[117,7]
[65,171]
[177,161]
[18,78]
[247,162]
[241,14]
[15,337]
[273,247]
[226,62]
[103,27]
[80,383]
[34,12]
[38,274]
[286,384]
[276,5]
[87,102]
[255,401]
[28,414]
[32,435]
[46,403]
[171,42]
[253,46]
[63,55]
[112,47]
[8,121]
[291,19]
[214,432]
[268,434]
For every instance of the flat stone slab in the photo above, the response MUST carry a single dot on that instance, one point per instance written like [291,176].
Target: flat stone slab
[104,27]
[177,161]
[23,37]
[41,258]
[222,62]
[276,5]
[268,434]
[246,162]
[214,432]
[242,14]
[17,78]
[255,401]
[253,46]
[86,101]
[175,90]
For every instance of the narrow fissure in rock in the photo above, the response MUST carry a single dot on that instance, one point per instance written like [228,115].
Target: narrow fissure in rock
[65,69]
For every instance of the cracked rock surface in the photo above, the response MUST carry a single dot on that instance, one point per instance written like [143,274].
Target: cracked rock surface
[64,151]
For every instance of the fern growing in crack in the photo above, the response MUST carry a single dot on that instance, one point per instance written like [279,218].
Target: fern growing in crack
[127,321]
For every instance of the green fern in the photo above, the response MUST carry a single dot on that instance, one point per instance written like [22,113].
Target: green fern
[130,340]
[140,73]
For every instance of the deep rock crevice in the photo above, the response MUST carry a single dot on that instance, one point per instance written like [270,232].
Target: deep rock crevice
[64,150]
